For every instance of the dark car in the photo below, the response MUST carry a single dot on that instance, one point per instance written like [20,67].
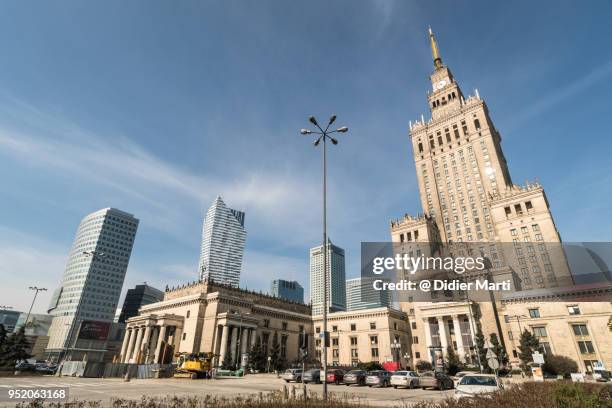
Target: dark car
[335,376]
[437,380]
[312,376]
[378,378]
[24,366]
[357,377]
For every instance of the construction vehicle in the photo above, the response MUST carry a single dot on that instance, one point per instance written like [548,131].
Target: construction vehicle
[193,365]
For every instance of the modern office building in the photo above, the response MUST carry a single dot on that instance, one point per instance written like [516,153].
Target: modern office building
[336,279]
[9,318]
[84,305]
[360,294]
[223,237]
[137,297]
[289,290]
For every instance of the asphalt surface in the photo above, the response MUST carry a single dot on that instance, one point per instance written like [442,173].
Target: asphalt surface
[105,389]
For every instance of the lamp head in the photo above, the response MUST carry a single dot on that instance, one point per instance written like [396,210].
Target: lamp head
[313,120]
[332,119]
[343,129]
[334,141]
[305,131]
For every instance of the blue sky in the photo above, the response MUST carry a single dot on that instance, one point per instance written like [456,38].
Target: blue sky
[156,107]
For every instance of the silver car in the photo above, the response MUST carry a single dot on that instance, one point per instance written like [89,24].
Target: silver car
[293,374]
[378,378]
[408,379]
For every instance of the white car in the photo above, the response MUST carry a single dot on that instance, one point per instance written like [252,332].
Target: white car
[457,377]
[472,384]
[409,379]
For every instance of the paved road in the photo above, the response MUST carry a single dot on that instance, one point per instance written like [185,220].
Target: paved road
[105,389]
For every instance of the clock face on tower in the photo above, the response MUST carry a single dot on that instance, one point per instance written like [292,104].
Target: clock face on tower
[440,84]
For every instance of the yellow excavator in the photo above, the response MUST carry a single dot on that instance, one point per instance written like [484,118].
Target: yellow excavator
[193,365]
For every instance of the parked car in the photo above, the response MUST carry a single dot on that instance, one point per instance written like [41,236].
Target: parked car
[472,384]
[437,380]
[24,366]
[357,377]
[409,379]
[335,376]
[293,374]
[378,378]
[457,377]
[312,376]
[45,368]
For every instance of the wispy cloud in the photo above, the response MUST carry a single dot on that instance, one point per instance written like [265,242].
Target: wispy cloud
[560,94]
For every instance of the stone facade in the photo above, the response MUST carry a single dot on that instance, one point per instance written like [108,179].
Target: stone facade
[210,317]
[468,196]
[364,336]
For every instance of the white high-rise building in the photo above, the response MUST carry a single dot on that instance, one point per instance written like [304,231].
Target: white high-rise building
[360,294]
[336,283]
[92,282]
[223,237]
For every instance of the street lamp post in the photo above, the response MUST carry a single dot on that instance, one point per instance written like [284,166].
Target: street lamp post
[36,289]
[396,346]
[323,135]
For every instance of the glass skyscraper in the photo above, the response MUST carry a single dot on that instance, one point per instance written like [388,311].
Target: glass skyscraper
[336,283]
[290,290]
[94,275]
[223,237]
[360,294]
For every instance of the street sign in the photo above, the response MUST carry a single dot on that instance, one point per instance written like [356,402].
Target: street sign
[493,363]
[538,358]
[491,354]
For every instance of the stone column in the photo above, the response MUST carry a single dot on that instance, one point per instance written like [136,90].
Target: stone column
[224,334]
[137,345]
[442,333]
[126,340]
[160,340]
[458,338]
[178,333]
[244,342]
[217,340]
[130,349]
[145,345]
[233,343]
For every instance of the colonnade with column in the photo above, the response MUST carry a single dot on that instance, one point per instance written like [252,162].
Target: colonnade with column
[438,333]
[234,339]
[144,341]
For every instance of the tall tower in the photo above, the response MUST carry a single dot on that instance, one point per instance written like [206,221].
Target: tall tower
[223,237]
[336,283]
[468,199]
[465,187]
[92,282]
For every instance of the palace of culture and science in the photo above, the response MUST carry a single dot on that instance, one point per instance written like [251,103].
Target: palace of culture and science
[469,199]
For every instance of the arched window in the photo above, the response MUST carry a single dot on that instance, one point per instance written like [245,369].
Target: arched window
[420,147]
[477,124]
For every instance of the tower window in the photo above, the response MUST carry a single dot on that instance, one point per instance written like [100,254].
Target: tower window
[518,209]
[528,205]
[477,124]
[420,147]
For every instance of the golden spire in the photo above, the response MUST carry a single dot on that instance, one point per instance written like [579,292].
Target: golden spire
[434,50]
